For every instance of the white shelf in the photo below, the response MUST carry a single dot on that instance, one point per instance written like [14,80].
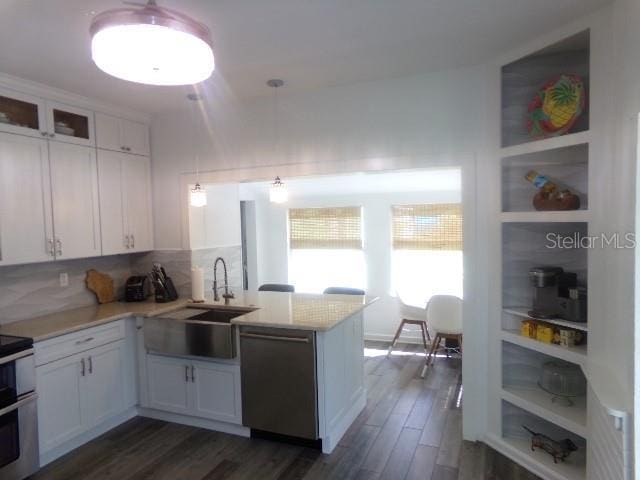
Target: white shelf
[569,216]
[539,462]
[524,313]
[577,354]
[546,144]
[538,402]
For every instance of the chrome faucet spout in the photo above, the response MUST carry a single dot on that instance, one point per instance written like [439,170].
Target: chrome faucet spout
[227,293]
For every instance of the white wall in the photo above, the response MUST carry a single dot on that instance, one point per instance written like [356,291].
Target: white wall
[426,120]
[218,223]
[382,319]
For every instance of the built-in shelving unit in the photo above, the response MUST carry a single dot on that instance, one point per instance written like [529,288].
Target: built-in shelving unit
[531,238]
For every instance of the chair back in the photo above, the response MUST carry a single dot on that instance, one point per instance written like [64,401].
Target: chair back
[276,287]
[343,291]
[444,314]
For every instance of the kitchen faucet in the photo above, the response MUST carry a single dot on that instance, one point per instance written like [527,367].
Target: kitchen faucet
[227,294]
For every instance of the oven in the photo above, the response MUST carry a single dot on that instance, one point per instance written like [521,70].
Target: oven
[18,414]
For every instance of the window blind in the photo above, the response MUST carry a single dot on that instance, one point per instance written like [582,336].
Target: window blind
[325,228]
[436,226]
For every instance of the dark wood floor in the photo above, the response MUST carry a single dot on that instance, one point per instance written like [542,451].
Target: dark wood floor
[410,429]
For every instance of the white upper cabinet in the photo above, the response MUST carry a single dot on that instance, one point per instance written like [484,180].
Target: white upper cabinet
[22,114]
[74,185]
[70,124]
[121,135]
[137,180]
[125,203]
[113,227]
[26,230]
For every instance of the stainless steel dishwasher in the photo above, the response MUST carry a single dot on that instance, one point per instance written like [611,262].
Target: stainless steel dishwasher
[279,386]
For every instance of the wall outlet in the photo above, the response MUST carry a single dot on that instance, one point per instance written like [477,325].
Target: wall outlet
[64,279]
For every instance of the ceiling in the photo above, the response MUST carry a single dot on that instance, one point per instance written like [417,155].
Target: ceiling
[310,44]
[426,180]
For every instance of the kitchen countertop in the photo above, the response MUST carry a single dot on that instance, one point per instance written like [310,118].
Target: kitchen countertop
[68,321]
[274,309]
[301,311]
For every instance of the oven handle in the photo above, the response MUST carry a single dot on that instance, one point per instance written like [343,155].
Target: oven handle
[16,356]
[23,401]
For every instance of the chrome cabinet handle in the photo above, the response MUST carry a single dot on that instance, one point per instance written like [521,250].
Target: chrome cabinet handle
[44,134]
[127,242]
[193,376]
[186,373]
[90,365]
[58,246]
[82,372]
[50,247]
[51,135]
[80,342]
[133,241]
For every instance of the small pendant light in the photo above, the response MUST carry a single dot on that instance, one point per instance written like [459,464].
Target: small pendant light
[278,192]
[198,195]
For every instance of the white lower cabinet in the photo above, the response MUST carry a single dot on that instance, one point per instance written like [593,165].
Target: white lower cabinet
[196,388]
[79,392]
[168,384]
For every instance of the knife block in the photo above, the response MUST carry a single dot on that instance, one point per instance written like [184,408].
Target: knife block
[165,293]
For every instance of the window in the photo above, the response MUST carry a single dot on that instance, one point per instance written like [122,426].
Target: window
[427,251]
[325,248]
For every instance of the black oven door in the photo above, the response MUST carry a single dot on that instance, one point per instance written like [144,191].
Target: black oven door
[9,438]
[8,384]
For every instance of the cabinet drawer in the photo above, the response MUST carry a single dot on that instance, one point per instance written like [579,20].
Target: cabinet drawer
[66,345]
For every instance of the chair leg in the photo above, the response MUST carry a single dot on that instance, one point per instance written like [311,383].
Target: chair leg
[396,336]
[434,347]
[423,328]
[429,359]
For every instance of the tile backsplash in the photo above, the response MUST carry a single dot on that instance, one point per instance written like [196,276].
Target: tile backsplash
[27,291]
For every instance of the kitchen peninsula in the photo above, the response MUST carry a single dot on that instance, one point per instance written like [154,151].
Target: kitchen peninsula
[295,367]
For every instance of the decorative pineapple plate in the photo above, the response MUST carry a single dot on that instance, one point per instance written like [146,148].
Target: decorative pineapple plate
[556,107]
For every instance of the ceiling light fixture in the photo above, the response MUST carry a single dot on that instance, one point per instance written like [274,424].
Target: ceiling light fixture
[152,45]
[278,190]
[197,195]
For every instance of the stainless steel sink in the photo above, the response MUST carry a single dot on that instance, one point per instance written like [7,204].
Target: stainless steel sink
[202,332]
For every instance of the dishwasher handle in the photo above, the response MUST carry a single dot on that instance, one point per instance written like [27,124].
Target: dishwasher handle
[278,338]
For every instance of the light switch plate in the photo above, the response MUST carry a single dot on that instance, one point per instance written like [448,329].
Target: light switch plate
[64,279]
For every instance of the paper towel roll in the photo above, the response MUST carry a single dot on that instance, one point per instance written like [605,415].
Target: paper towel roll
[197,284]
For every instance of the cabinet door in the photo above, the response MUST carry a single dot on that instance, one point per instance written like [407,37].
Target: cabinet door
[168,384]
[25,200]
[74,184]
[60,387]
[216,392]
[108,132]
[105,382]
[135,137]
[69,124]
[137,180]
[22,114]
[113,228]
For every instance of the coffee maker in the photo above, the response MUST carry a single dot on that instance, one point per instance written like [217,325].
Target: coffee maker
[556,294]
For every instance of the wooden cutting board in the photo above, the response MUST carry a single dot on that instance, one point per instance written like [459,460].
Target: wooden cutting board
[102,285]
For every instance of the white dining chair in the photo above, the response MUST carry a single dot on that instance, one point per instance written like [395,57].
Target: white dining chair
[444,314]
[411,315]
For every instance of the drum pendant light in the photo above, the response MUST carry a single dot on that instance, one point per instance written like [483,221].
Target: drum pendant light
[151,45]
